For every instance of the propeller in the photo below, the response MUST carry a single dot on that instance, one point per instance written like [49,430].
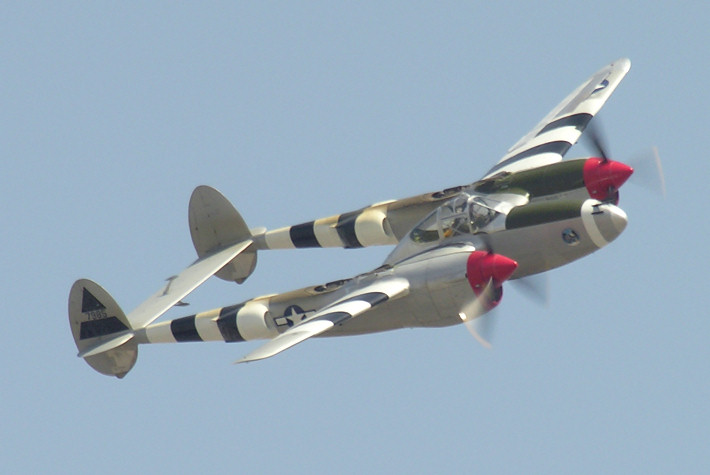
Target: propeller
[486,271]
[606,176]
[476,317]
[597,140]
[535,287]
[649,172]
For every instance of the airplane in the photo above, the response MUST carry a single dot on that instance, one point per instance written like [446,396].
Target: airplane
[453,251]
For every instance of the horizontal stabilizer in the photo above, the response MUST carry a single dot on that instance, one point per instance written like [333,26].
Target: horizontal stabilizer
[351,305]
[106,345]
[179,286]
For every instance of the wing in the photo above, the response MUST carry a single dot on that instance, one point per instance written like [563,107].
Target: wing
[388,222]
[350,306]
[549,140]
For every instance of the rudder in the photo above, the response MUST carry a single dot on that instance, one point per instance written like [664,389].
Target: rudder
[216,224]
[102,333]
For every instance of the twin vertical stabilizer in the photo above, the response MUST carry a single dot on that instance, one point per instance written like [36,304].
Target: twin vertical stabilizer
[104,335]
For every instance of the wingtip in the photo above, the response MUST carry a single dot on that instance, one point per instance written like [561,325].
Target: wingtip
[247,359]
[621,65]
[624,62]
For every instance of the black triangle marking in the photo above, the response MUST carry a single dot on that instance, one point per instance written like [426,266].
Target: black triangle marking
[89,303]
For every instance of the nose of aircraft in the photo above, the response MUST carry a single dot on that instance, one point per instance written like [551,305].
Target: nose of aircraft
[603,221]
[619,220]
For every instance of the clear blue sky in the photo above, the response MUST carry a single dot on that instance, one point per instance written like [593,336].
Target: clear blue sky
[112,113]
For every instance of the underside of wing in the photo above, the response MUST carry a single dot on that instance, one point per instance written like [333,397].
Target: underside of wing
[350,306]
[549,140]
[182,284]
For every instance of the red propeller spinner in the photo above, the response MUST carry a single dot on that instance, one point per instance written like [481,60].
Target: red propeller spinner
[604,177]
[483,267]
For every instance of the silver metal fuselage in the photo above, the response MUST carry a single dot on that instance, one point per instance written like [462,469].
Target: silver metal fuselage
[438,286]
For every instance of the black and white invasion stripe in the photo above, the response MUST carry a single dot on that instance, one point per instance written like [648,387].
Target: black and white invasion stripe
[235,323]
[559,136]
[550,139]
[364,227]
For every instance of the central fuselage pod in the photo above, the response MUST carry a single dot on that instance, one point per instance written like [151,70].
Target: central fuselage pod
[537,237]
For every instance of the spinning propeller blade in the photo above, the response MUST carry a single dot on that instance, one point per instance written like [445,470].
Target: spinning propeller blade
[486,271]
[596,139]
[480,320]
[649,172]
[476,314]
[475,317]
[482,329]
[603,177]
[535,287]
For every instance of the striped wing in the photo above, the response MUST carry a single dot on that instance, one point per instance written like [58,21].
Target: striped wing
[549,140]
[350,306]
[386,223]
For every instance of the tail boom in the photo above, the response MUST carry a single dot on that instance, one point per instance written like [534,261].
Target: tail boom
[235,323]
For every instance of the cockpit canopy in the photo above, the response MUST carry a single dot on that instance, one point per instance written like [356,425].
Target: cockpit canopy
[463,215]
